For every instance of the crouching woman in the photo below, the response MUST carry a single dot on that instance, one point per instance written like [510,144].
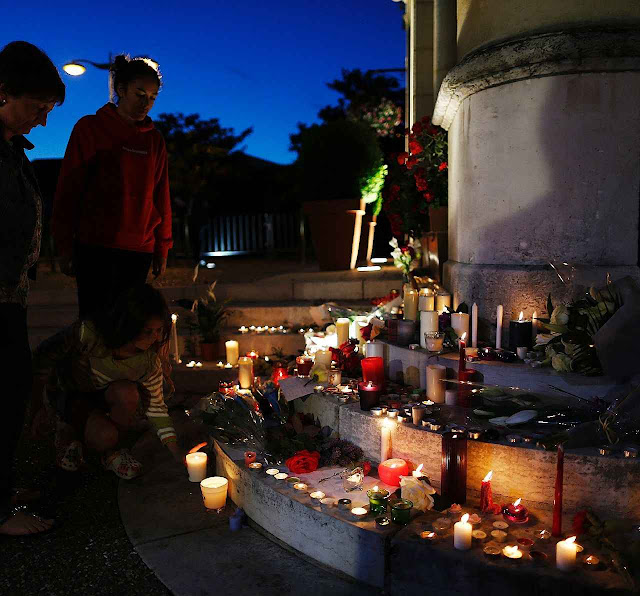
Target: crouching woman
[99,373]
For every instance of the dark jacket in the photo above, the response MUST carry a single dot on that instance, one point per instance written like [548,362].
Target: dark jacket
[20,218]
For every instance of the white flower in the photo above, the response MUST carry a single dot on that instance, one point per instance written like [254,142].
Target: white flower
[560,315]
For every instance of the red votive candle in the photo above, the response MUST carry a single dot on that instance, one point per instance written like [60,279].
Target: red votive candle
[453,471]
[249,457]
[515,513]
[304,364]
[279,373]
[370,394]
[373,370]
[391,470]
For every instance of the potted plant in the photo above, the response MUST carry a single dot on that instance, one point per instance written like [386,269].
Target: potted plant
[333,160]
[211,316]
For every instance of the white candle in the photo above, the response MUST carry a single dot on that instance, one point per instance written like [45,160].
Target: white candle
[342,330]
[174,338]
[534,326]
[385,445]
[435,386]
[323,358]
[410,304]
[474,325]
[426,299]
[233,351]
[214,492]
[245,372]
[417,473]
[460,323]
[428,324]
[499,317]
[462,533]
[443,300]
[197,466]
[374,348]
[566,554]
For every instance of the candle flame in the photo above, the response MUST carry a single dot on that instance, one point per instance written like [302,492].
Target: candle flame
[488,477]
[570,540]
[174,317]
[465,518]
[431,534]
[521,316]
[510,551]
[517,502]
[419,467]
[375,488]
[197,447]
[463,337]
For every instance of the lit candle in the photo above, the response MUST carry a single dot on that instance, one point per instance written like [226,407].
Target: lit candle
[426,300]
[191,364]
[359,512]
[462,533]
[342,330]
[443,300]
[318,495]
[253,355]
[220,364]
[301,486]
[256,465]
[281,476]
[249,457]
[566,554]
[436,373]
[243,329]
[391,470]
[460,324]
[512,552]
[197,466]
[273,471]
[385,444]
[174,338]
[462,357]
[428,324]
[499,317]
[214,492]
[417,473]
[486,496]
[515,512]
[410,304]
[520,332]
[233,351]
[198,364]
[378,500]
[228,365]
[245,372]
[474,325]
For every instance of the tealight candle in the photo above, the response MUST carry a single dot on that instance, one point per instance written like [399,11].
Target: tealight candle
[543,535]
[591,561]
[256,465]
[344,504]
[499,535]
[318,495]
[605,450]
[430,536]
[197,466]
[441,525]
[191,364]
[566,554]
[392,413]
[500,525]
[525,544]
[376,411]
[478,535]
[515,512]
[301,486]
[462,532]
[513,438]
[512,552]
[630,452]
[220,364]
[491,551]
[249,457]
[273,471]
[280,476]
[243,329]
[328,502]
[198,364]
[359,512]
[228,365]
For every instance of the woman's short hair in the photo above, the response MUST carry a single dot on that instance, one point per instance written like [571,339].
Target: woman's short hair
[133,309]
[27,70]
[124,70]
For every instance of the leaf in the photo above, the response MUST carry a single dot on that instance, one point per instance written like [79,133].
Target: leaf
[549,304]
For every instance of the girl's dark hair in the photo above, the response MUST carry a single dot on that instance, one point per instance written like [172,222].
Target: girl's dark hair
[124,70]
[131,312]
[26,69]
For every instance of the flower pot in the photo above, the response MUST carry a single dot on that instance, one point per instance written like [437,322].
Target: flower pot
[335,230]
[207,351]
[438,219]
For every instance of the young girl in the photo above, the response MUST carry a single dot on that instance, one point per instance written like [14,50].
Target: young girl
[112,212]
[100,371]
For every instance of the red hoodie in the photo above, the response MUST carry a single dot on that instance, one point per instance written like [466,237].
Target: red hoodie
[113,188]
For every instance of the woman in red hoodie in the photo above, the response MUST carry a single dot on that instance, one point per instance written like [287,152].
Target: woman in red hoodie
[112,211]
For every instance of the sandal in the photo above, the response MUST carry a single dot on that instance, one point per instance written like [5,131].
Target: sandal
[122,464]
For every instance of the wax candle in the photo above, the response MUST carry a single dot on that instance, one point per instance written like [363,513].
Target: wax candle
[252,354]
[255,466]
[174,338]
[556,529]
[369,393]
[474,325]
[520,332]
[245,372]
[358,512]
[512,552]
[214,492]
[279,373]
[460,324]
[453,472]
[304,364]
[443,300]
[410,304]
[499,317]
[486,496]
[390,471]
[515,512]
[417,473]
[401,511]
[462,533]
[317,495]
[535,327]
[417,413]
[373,349]
[426,300]
[342,330]
[244,329]
[385,440]
[249,457]
[566,554]
[434,341]
[197,466]
[373,370]
[378,500]
[462,344]
[428,325]
[436,373]
[273,471]
[335,377]
[281,476]
[323,358]
[233,351]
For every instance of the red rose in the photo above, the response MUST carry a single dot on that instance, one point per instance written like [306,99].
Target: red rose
[442,166]
[402,158]
[412,161]
[417,128]
[303,462]
[415,147]
[429,196]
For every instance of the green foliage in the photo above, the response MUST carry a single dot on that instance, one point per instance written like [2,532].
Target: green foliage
[211,315]
[334,158]
[371,189]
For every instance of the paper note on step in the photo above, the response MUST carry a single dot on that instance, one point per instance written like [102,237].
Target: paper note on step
[295,387]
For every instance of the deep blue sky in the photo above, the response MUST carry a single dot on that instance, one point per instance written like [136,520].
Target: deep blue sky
[260,63]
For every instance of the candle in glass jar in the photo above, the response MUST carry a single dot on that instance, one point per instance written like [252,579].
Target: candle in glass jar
[197,466]
[410,304]
[369,393]
[566,554]
[245,372]
[342,330]
[378,500]
[520,332]
[426,299]
[460,323]
[462,533]
[443,300]
[232,351]
[428,325]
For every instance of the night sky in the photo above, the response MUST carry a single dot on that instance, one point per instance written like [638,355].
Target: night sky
[260,63]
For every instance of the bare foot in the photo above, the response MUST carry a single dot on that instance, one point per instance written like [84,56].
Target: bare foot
[22,524]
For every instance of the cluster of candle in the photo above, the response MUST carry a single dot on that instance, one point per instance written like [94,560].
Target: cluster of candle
[193,364]
[263,329]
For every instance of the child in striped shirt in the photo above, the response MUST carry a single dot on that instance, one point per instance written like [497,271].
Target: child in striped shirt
[99,372]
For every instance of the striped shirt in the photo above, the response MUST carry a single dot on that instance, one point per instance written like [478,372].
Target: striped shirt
[76,359]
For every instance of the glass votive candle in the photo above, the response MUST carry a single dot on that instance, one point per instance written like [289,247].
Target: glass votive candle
[352,479]
[317,495]
[344,504]
[359,512]
[591,562]
[281,476]
[214,493]
[376,411]
[304,364]
[378,500]
[434,342]
[441,525]
[401,511]
[256,465]
[272,471]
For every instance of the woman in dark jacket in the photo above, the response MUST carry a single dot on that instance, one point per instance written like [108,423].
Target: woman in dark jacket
[30,87]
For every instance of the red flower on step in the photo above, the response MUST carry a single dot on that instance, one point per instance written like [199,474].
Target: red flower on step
[303,462]
[442,166]
[402,158]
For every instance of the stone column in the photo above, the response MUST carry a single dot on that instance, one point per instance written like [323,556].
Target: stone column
[544,135]
[420,23]
[444,40]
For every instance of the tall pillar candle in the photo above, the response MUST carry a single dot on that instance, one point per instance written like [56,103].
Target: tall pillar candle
[245,372]
[428,324]
[360,326]
[174,338]
[462,533]
[342,330]
[443,300]
[233,351]
[474,325]
[410,304]
[385,440]
[566,551]
[520,332]
[426,300]
[499,317]
[197,466]
[436,373]
[460,323]
[453,471]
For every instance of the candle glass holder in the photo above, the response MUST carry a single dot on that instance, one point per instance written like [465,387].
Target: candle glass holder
[369,393]
[378,501]
[352,479]
[434,342]
[373,370]
[304,364]
[453,472]
[401,511]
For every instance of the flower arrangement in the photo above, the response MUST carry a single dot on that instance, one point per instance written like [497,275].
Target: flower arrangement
[405,257]
[346,358]
[383,117]
[371,188]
